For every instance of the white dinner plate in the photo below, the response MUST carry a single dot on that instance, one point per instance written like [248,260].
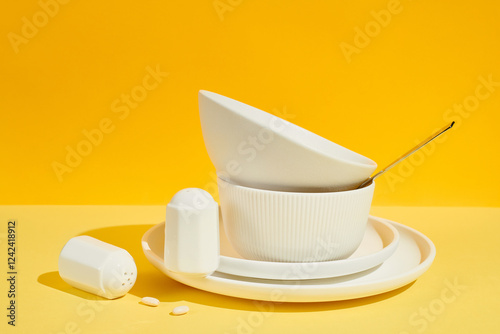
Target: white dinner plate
[379,243]
[412,258]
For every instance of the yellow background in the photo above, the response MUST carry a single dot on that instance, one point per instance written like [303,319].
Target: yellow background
[274,55]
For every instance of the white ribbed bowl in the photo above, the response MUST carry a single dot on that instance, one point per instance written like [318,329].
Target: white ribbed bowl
[280,226]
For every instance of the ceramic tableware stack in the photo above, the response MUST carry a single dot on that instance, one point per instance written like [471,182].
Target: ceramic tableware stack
[286,194]
[293,219]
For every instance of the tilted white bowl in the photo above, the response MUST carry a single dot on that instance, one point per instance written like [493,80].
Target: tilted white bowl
[256,149]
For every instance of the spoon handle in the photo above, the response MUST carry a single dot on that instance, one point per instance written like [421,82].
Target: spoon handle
[407,154]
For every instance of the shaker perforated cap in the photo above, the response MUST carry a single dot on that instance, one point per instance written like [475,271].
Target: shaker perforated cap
[97,267]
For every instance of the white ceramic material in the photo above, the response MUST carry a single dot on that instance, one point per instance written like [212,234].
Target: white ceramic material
[412,258]
[379,242]
[254,148]
[97,267]
[192,233]
[281,226]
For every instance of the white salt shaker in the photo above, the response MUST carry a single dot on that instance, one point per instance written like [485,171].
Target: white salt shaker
[192,233]
[97,267]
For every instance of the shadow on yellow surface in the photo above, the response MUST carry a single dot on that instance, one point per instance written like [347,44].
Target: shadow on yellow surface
[151,282]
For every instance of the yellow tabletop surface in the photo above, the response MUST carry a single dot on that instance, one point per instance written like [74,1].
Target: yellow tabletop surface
[458,294]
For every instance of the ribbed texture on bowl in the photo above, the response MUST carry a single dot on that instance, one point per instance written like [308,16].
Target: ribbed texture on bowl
[294,227]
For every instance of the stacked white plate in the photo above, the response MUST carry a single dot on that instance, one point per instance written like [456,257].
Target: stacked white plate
[390,256]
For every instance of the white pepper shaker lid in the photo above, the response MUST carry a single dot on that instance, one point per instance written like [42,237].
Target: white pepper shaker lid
[192,233]
[97,267]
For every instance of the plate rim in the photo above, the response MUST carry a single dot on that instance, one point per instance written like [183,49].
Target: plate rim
[310,293]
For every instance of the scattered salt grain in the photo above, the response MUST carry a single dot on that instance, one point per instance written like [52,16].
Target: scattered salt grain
[150,301]
[180,310]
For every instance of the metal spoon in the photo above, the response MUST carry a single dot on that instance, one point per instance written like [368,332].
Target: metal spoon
[407,154]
